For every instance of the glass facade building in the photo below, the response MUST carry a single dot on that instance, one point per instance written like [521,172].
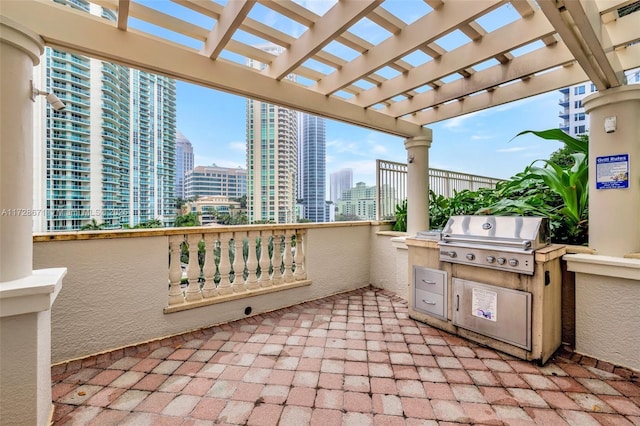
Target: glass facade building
[312,148]
[109,156]
[184,163]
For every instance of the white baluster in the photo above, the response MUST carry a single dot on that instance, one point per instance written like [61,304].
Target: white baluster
[265,262]
[252,261]
[300,273]
[276,277]
[238,264]
[193,270]
[288,258]
[224,287]
[175,270]
[209,269]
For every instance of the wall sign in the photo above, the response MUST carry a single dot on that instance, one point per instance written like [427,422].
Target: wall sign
[612,172]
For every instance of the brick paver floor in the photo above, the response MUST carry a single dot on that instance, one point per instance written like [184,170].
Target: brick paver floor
[355,359]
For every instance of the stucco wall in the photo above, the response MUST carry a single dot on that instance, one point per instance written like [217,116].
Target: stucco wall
[115,289]
[389,263]
[608,319]
[607,301]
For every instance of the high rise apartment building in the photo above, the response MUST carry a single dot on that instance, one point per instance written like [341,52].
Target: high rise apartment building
[184,163]
[358,201]
[205,181]
[339,182]
[575,120]
[312,163]
[109,156]
[272,158]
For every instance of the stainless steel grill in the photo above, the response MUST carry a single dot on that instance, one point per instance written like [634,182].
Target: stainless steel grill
[506,243]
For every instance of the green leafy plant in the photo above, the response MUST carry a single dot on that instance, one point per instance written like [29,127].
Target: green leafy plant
[401,217]
[558,190]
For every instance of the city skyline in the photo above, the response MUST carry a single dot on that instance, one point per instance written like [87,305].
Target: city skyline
[214,122]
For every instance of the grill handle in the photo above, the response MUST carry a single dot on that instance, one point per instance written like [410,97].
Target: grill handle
[522,244]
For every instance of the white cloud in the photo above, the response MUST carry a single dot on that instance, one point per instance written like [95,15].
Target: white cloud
[238,146]
[481,137]
[513,149]
[318,7]
[456,123]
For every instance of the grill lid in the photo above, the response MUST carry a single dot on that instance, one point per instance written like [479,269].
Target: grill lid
[515,232]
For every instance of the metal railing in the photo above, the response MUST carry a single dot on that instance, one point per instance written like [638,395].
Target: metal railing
[391,185]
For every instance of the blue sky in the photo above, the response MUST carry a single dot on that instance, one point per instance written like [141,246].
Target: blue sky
[478,143]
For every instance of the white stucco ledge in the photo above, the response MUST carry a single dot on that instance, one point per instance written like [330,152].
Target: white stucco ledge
[35,293]
[400,242]
[608,266]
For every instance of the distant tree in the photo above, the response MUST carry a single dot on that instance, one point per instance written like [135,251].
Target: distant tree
[153,223]
[346,217]
[242,200]
[189,219]
[263,222]
[180,202]
[93,226]
[304,220]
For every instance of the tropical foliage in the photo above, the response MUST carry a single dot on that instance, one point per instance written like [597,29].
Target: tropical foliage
[556,188]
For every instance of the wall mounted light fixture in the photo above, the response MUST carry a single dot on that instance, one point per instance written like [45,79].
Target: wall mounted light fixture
[55,101]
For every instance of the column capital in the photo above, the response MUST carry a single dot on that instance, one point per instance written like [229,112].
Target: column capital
[629,92]
[417,141]
[21,38]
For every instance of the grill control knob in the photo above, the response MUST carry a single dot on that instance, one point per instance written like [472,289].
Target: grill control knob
[502,261]
[470,256]
[513,262]
[451,254]
[491,259]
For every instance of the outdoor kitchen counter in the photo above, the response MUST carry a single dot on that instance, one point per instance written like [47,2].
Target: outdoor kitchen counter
[544,287]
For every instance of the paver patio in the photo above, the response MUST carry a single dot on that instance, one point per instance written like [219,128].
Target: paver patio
[354,358]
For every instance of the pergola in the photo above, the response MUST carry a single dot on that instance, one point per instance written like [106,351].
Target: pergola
[565,42]
[400,85]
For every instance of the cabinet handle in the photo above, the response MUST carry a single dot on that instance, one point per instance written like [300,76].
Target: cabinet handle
[457,302]
[428,302]
[428,282]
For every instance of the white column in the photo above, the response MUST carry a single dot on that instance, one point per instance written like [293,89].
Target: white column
[26,296]
[614,218]
[417,183]
[21,50]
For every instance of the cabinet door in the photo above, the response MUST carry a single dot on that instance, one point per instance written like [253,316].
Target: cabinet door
[501,313]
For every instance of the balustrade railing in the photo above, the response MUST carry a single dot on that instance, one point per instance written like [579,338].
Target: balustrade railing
[211,266]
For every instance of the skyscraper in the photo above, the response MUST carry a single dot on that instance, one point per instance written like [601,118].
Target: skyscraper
[272,158]
[109,156]
[312,167]
[184,163]
[339,182]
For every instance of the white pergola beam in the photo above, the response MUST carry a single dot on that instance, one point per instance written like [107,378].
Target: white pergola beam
[335,22]
[123,14]
[629,56]
[423,31]
[230,19]
[59,27]
[623,31]
[498,42]
[553,80]
[520,67]
[577,39]
[588,23]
